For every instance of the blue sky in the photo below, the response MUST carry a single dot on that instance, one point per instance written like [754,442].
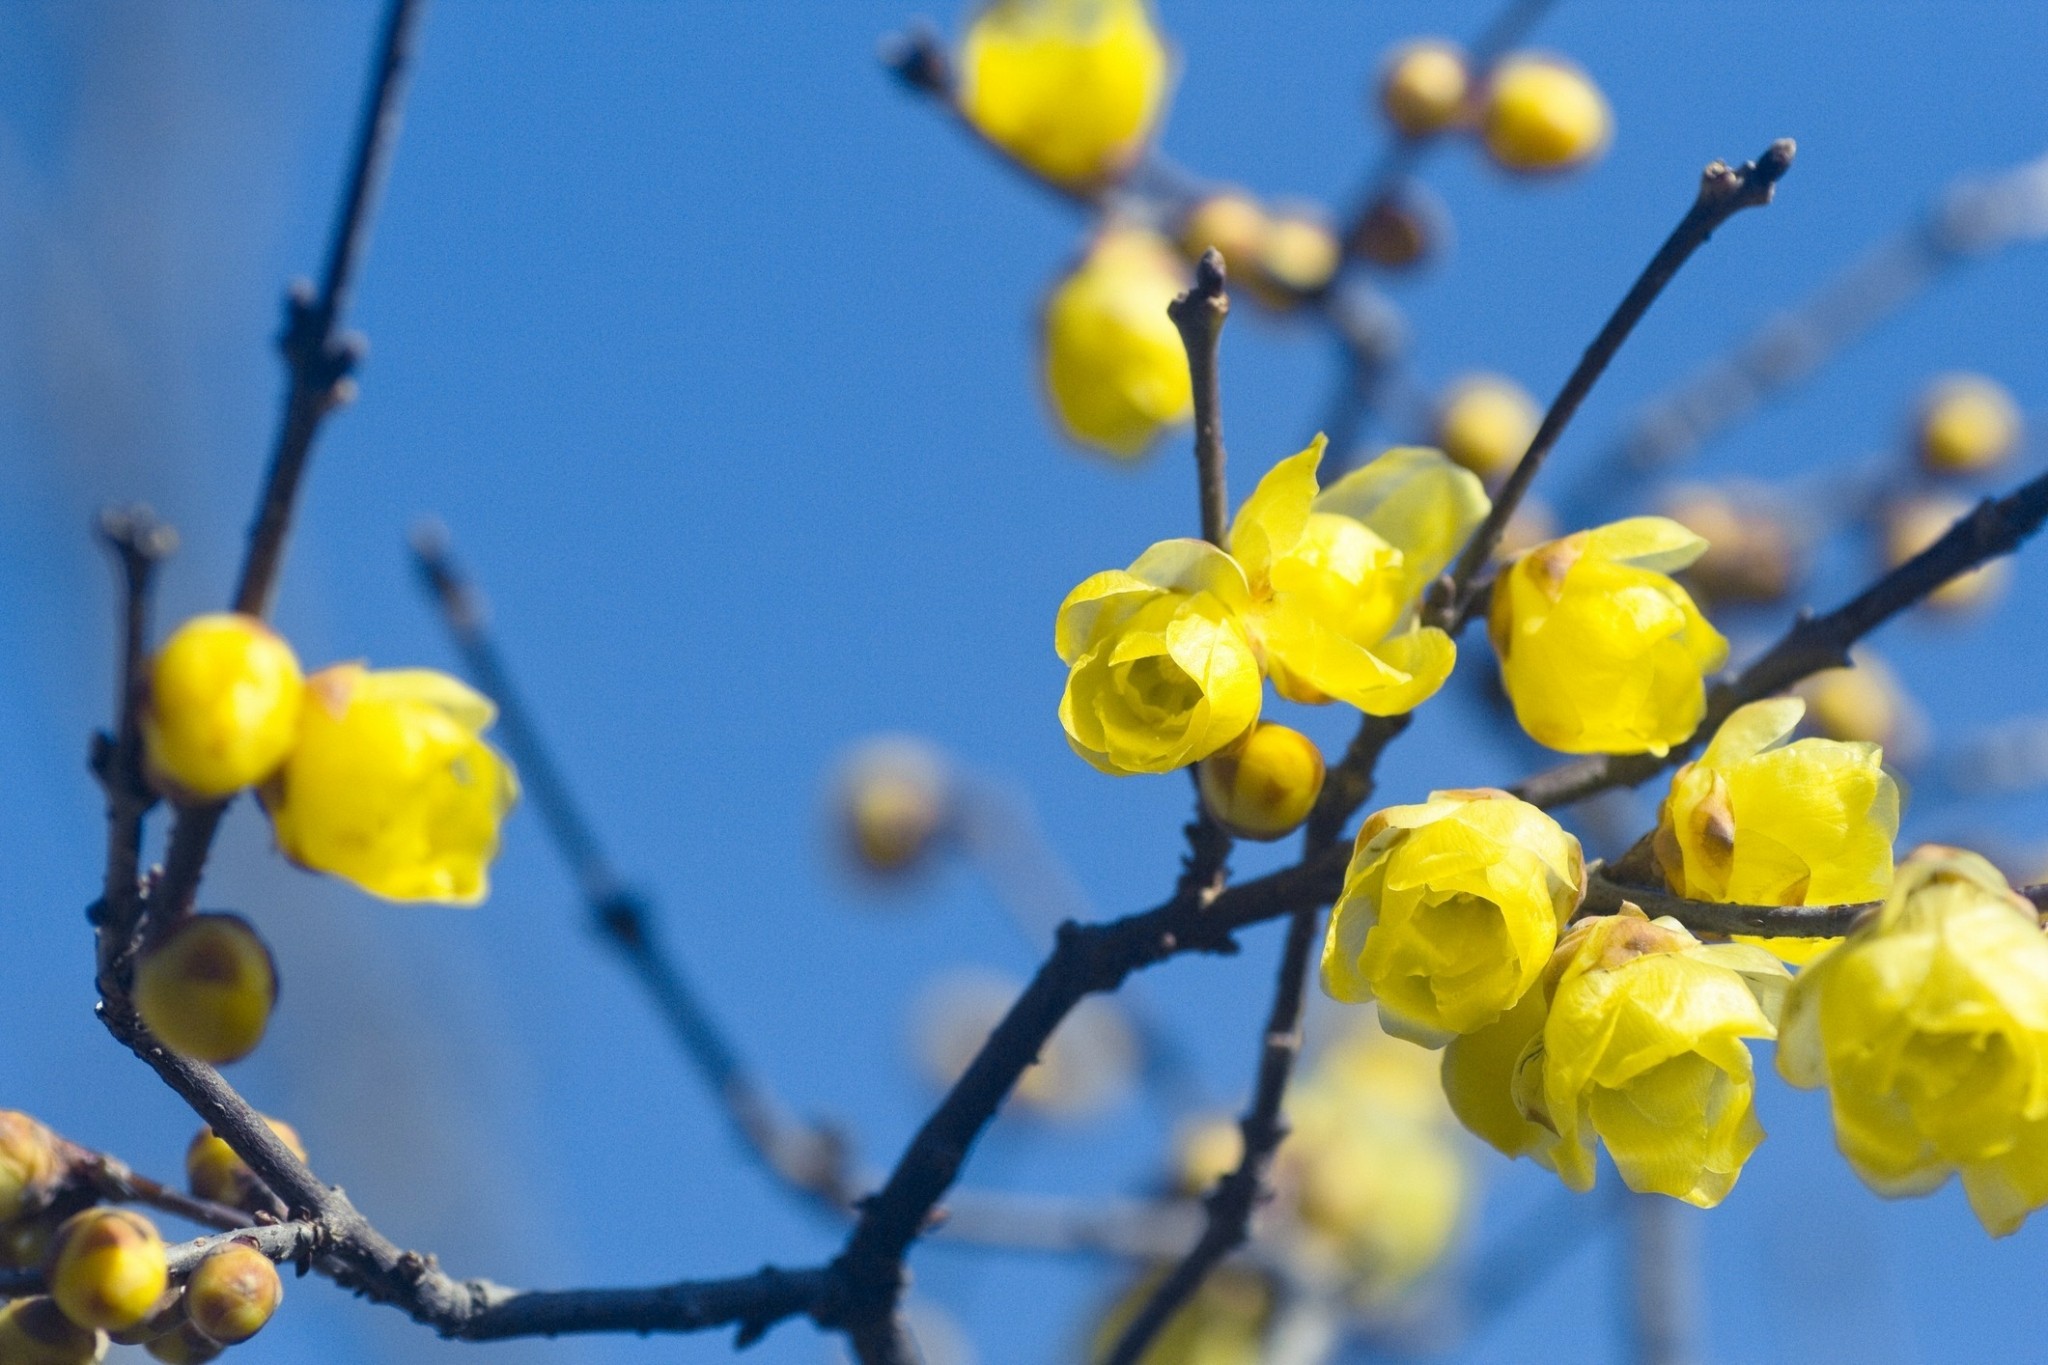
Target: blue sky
[713,349]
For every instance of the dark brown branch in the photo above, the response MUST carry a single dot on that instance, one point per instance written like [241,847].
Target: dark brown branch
[1995,527]
[319,360]
[1724,191]
[140,543]
[1238,1195]
[811,1160]
[108,1178]
[1604,896]
[1198,315]
[1350,782]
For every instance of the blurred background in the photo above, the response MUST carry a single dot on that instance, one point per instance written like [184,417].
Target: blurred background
[713,347]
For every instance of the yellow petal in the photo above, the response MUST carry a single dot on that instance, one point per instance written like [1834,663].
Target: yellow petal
[1275,515]
[1655,543]
[1419,502]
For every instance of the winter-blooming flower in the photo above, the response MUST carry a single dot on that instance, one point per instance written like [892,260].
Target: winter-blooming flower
[1600,651]
[1115,369]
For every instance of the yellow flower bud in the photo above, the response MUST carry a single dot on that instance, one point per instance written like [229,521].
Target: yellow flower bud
[1485,422]
[224,699]
[1224,1323]
[1335,576]
[1233,223]
[1423,87]
[1865,702]
[165,1316]
[1752,554]
[1162,673]
[213,1171]
[1403,229]
[1115,369]
[1600,651]
[1759,822]
[390,785]
[29,1165]
[108,1268]
[1966,424]
[207,989]
[1929,1028]
[893,799]
[1640,1046]
[1913,524]
[1543,114]
[1070,88]
[1449,911]
[1263,786]
[232,1293]
[186,1345]
[36,1332]
[1298,256]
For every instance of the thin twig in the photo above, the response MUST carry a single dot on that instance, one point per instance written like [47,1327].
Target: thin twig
[1605,895]
[1238,1195]
[1724,191]
[1198,315]
[111,1179]
[1664,1280]
[1995,527]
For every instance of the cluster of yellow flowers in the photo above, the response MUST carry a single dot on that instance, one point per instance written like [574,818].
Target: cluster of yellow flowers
[105,1274]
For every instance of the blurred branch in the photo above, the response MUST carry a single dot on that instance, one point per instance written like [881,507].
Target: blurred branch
[319,360]
[1665,1282]
[1724,191]
[1972,219]
[1238,1194]
[1996,527]
[810,1159]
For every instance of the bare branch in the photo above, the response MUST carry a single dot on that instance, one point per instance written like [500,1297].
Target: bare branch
[1604,896]
[1238,1195]
[1724,191]
[1994,528]
[1199,314]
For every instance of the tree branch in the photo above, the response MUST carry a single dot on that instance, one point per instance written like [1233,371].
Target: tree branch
[1604,896]
[1995,527]
[1723,192]
[1198,315]
[1238,1195]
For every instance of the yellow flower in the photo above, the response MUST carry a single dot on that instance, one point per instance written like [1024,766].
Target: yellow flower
[1335,575]
[1967,424]
[1450,910]
[1914,523]
[1543,114]
[1115,369]
[1223,1324]
[1599,650]
[1929,1027]
[1070,88]
[1635,1038]
[1485,422]
[391,786]
[1423,86]
[1807,823]
[224,697]
[1162,673]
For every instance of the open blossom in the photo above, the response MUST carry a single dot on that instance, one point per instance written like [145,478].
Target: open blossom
[1115,368]
[1759,822]
[1161,671]
[1635,1039]
[1450,910]
[1600,651]
[1335,575]
[1071,88]
[391,786]
[1929,1028]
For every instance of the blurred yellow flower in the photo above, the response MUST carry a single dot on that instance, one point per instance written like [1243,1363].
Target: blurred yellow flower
[1485,422]
[1114,366]
[1929,1028]
[1634,1039]
[1223,1324]
[1758,822]
[1070,88]
[391,786]
[1543,114]
[1599,650]
[224,698]
[1966,424]
[1450,910]
[1335,575]
[1423,86]
[1161,671]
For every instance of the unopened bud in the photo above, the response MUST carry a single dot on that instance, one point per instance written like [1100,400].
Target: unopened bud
[1423,87]
[894,799]
[1297,258]
[1232,223]
[36,1332]
[1263,786]
[233,1293]
[1751,555]
[214,1172]
[1966,424]
[224,698]
[1204,1151]
[1485,423]
[1913,524]
[25,1242]
[108,1268]
[1402,229]
[207,990]
[1543,114]
[28,1164]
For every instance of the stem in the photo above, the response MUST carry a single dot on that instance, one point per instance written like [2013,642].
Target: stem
[1199,314]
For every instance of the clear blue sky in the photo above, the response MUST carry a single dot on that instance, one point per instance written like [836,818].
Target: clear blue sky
[713,349]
